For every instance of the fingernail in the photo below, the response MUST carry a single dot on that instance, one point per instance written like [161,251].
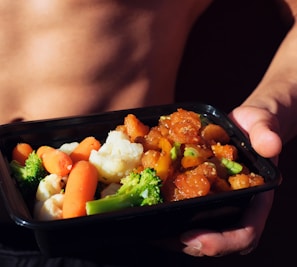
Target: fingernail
[193,245]
[194,250]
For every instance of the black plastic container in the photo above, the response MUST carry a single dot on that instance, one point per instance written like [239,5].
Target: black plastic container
[77,236]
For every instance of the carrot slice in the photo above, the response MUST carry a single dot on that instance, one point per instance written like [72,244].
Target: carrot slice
[57,162]
[21,152]
[80,188]
[84,148]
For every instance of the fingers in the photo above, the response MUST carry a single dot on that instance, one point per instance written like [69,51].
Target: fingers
[243,239]
[262,128]
[205,243]
[266,142]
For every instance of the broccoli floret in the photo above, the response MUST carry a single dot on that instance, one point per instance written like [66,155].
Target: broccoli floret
[28,176]
[137,189]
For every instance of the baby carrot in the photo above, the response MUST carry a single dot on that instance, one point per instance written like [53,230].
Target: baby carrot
[80,188]
[21,152]
[42,149]
[57,162]
[84,148]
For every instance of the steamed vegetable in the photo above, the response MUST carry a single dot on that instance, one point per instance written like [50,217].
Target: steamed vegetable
[43,149]
[49,198]
[57,162]
[80,188]
[138,189]
[29,175]
[117,157]
[21,152]
[83,150]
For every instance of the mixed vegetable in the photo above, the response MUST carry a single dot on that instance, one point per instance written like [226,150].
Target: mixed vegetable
[137,189]
[181,157]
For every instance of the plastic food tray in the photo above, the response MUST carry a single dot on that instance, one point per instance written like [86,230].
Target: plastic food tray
[135,224]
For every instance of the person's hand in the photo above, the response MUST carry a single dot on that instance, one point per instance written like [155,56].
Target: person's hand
[262,129]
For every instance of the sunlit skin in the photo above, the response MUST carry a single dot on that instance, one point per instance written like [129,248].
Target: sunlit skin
[62,58]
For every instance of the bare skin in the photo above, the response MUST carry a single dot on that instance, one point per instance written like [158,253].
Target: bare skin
[75,57]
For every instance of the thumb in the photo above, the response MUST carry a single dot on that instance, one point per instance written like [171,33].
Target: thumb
[261,127]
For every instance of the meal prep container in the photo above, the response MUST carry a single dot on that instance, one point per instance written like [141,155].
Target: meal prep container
[83,235]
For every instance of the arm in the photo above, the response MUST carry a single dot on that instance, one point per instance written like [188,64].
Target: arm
[266,117]
[277,92]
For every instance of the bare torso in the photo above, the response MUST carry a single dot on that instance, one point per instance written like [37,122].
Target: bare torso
[62,58]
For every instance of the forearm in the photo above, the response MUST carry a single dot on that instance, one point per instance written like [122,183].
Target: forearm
[277,92]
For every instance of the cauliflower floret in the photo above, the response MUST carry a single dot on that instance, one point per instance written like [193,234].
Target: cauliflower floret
[50,209]
[68,147]
[117,157]
[50,185]
[49,198]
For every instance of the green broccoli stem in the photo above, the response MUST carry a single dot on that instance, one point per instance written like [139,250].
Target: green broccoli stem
[112,203]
